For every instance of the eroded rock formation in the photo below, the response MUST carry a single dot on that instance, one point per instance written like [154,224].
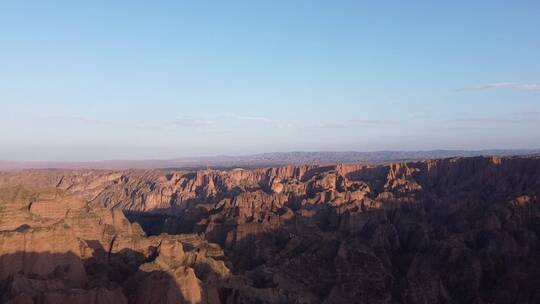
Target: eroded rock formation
[462,230]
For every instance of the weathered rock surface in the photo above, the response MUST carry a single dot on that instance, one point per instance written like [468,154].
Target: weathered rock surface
[462,230]
[65,251]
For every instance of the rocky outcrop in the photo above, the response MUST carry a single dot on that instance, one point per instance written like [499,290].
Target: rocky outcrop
[460,230]
[58,249]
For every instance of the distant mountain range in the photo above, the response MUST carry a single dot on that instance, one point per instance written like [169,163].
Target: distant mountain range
[268,159]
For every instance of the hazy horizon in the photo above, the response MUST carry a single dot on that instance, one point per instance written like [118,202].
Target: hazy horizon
[126,80]
[277,155]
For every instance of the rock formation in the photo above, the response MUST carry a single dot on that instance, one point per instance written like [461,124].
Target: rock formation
[459,230]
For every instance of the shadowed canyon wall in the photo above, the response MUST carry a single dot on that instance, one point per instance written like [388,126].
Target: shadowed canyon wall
[461,230]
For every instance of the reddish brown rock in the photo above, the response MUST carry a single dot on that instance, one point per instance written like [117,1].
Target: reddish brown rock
[461,230]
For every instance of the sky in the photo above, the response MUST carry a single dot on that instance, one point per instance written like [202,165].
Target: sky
[101,80]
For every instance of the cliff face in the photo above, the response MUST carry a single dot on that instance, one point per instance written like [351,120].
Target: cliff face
[55,248]
[462,230]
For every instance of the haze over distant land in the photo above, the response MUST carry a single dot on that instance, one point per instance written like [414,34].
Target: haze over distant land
[268,159]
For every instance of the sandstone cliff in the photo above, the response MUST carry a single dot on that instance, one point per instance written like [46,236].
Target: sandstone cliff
[460,230]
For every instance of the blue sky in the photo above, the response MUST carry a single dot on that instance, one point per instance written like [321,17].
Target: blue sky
[91,80]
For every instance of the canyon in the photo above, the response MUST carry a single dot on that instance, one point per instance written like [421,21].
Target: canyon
[452,230]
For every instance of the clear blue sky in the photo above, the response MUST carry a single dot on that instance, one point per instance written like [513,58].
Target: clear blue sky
[91,80]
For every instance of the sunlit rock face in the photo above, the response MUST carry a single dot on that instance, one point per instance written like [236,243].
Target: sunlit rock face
[56,248]
[461,230]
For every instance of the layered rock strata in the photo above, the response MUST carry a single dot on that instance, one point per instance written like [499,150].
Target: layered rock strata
[461,230]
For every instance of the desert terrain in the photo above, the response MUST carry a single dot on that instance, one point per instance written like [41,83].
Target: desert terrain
[453,230]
